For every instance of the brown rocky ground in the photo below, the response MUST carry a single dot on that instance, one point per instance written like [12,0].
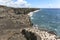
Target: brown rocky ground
[12,20]
[13,34]
[35,34]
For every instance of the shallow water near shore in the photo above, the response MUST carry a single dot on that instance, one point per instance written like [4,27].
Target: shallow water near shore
[47,19]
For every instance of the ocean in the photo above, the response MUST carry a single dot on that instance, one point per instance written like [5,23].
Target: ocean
[47,18]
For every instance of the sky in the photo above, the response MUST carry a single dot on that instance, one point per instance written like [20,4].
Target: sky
[31,3]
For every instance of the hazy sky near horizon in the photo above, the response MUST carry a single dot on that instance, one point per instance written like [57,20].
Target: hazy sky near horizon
[45,3]
[32,3]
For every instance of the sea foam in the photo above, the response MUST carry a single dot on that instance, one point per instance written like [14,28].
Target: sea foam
[31,13]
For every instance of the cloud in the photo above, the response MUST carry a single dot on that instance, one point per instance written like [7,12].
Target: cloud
[15,3]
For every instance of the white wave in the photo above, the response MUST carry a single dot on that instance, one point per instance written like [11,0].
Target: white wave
[35,26]
[31,13]
[32,18]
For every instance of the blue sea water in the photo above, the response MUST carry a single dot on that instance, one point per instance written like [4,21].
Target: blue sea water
[48,19]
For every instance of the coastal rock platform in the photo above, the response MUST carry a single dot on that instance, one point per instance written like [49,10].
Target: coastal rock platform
[16,34]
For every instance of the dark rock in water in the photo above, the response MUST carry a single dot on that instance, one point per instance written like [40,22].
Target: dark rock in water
[52,32]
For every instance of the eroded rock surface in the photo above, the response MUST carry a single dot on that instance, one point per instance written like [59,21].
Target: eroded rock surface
[11,35]
[28,34]
[13,18]
[16,34]
[43,35]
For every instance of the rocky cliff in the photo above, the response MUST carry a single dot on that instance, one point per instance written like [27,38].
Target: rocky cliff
[13,18]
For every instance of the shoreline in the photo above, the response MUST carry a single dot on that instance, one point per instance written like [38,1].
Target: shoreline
[46,30]
[43,34]
[31,13]
[42,29]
